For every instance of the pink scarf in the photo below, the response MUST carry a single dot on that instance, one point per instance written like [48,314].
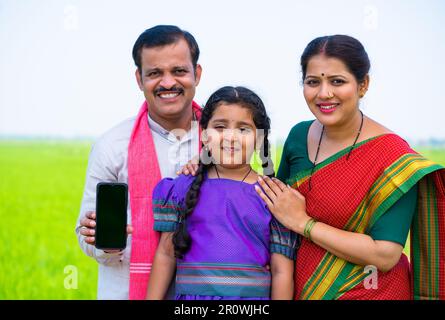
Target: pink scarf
[143,175]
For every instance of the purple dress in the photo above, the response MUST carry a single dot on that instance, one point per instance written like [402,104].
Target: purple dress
[233,235]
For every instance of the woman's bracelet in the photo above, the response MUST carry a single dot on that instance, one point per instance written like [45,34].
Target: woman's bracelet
[308,228]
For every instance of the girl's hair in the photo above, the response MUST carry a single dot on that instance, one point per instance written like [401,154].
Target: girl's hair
[345,48]
[225,95]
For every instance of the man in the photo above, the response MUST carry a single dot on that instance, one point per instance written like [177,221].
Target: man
[142,150]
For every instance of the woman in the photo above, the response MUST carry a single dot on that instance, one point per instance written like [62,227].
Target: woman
[356,189]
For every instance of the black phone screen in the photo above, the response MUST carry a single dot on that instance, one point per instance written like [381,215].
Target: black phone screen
[111,215]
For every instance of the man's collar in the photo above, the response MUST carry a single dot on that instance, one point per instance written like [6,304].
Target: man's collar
[156,127]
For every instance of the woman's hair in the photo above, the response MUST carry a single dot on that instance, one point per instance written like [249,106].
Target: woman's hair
[225,95]
[345,48]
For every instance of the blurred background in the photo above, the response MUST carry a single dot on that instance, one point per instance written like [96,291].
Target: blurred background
[67,75]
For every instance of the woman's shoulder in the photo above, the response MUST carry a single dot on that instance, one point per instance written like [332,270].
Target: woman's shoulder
[383,141]
[297,137]
[301,128]
[379,132]
[392,142]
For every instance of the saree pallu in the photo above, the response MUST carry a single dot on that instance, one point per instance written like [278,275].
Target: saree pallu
[352,194]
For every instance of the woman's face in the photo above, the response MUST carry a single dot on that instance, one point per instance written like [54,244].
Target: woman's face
[231,135]
[331,91]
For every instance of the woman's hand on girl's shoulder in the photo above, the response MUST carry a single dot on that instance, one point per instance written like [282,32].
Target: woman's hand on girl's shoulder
[286,204]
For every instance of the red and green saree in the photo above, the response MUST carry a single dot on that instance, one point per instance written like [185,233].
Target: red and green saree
[352,195]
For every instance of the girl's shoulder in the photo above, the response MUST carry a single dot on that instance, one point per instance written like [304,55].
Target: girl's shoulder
[178,185]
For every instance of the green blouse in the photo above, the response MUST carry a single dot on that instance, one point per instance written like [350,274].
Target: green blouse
[393,226]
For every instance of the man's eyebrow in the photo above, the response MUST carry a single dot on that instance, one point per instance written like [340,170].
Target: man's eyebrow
[147,70]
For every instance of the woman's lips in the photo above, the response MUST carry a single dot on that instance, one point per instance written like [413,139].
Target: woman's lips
[327,107]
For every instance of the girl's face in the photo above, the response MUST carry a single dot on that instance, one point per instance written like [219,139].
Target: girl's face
[331,91]
[231,135]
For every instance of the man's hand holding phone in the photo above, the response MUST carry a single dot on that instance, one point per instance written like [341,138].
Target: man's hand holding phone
[88,225]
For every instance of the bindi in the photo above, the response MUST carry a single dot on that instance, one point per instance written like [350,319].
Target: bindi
[322,74]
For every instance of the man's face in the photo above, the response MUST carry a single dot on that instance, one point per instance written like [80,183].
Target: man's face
[168,80]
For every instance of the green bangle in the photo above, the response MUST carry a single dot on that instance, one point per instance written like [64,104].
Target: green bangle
[308,228]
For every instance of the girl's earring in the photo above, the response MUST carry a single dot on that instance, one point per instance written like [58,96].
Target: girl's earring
[209,153]
[206,156]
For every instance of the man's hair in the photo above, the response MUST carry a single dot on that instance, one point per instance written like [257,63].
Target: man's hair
[163,35]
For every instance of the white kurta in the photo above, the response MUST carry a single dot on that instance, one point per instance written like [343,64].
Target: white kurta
[108,163]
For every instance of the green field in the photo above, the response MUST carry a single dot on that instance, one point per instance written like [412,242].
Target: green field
[40,193]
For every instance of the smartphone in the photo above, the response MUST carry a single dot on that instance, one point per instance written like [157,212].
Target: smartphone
[111,215]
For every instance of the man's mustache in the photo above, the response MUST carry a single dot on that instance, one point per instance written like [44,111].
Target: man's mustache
[173,89]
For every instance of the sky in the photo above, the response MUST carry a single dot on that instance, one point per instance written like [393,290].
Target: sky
[66,68]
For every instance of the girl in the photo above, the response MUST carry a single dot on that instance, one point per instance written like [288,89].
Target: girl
[216,231]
